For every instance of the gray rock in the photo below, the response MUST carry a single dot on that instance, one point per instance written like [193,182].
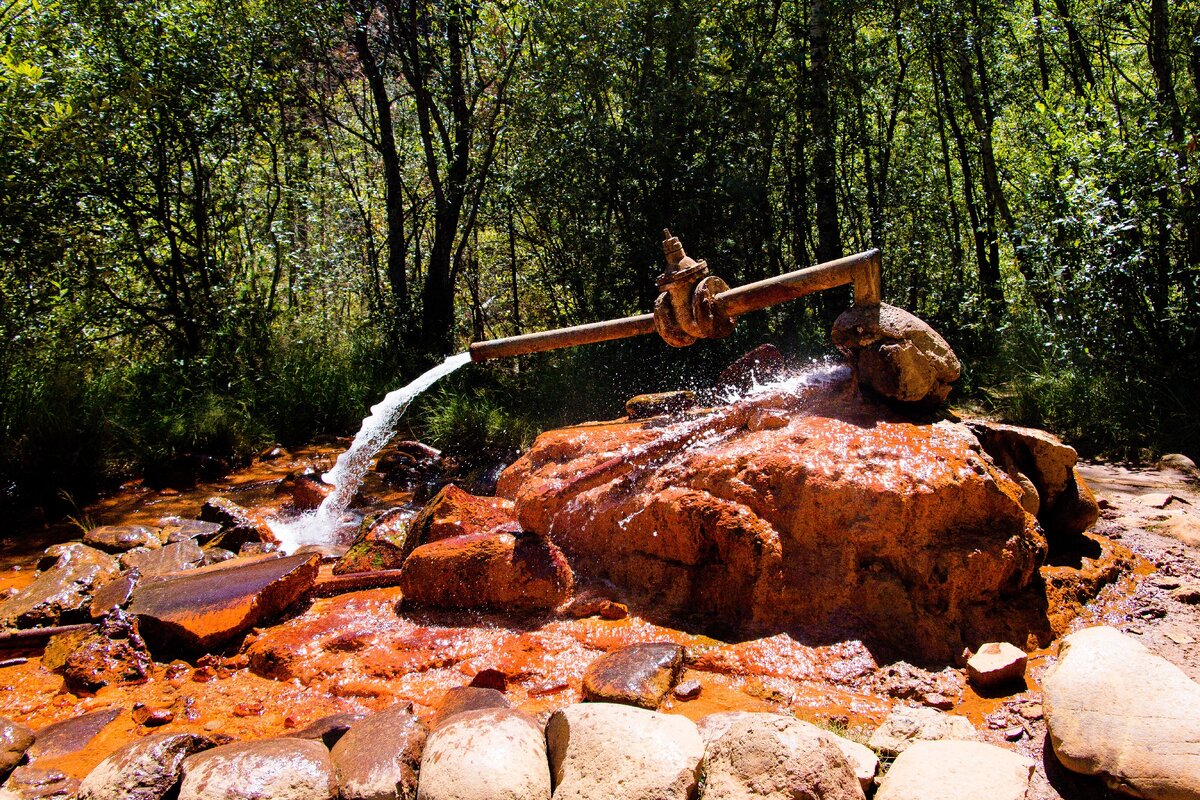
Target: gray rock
[176,529]
[279,769]
[64,591]
[377,758]
[119,538]
[489,754]
[15,739]
[114,594]
[1116,710]
[619,752]
[956,771]
[750,755]
[897,355]
[174,557]
[905,725]
[145,769]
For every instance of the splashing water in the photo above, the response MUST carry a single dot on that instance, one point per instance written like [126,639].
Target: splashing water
[347,474]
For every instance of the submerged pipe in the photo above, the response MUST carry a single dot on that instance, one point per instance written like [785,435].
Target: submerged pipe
[862,270]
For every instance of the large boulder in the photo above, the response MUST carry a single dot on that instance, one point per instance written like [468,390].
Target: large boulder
[897,355]
[773,756]
[488,754]
[63,592]
[279,769]
[1116,710]
[487,570]
[454,512]
[377,758]
[144,769]
[850,521]
[620,752]
[203,608]
[958,770]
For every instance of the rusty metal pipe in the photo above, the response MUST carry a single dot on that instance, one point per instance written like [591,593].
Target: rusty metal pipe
[563,337]
[861,269]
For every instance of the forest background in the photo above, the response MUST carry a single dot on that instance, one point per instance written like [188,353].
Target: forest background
[230,222]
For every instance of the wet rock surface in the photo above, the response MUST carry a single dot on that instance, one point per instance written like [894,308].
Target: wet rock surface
[15,739]
[147,769]
[281,769]
[174,557]
[383,545]
[488,754]
[113,653]
[63,592]
[960,770]
[119,538]
[849,521]
[623,753]
[454,512]
[1116,710]
[72,735]
[771,756]
[377,759]
[489,570]
[761,365]
[239,526]
[203,608]
[638,675]
[34,783]
[645,406]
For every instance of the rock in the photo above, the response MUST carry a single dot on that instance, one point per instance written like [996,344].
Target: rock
[406,463]
[63,593]
[377,758]
[1179,463]
[772,756]
[113,655]
[217,555]
[763,364]
[637,675]
[174,557]
[906,682]
[279,769]
[200,609]
[762,419]
[688,690]
[516,573]
[308,491]
[466,698]
[15,739]
[34,783]
[329,730]
[120,538]
[645,406]
[488,678]
[958,770]
[176,529]
[850,521]
[906,725]
[897,355]
[1156,499]
[71,735]
[489,754]
[996,664]
[1066,505]
[239,525]
[453,512]
[258,549]
[383,545]
[114,594]
[1116,710]
[1187,593]
[144,769]
[605,750]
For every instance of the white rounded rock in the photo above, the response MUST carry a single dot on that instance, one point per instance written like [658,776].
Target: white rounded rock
[605,751]
[486,754]
[770,756]
[906,725]
[956,770]
[1116,710]
[281,769]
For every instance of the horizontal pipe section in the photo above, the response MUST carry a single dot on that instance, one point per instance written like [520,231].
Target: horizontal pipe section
[773,291]
[563,337]
[861,269]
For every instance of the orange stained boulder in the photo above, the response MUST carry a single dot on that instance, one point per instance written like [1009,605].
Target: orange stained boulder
[202,609]
[850,520]
[453,512]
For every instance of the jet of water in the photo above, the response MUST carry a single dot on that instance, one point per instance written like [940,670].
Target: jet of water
[347,474]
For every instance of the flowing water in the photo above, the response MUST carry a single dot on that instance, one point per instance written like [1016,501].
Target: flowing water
[317,526]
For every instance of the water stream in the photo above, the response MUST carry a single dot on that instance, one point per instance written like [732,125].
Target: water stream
[347,474]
